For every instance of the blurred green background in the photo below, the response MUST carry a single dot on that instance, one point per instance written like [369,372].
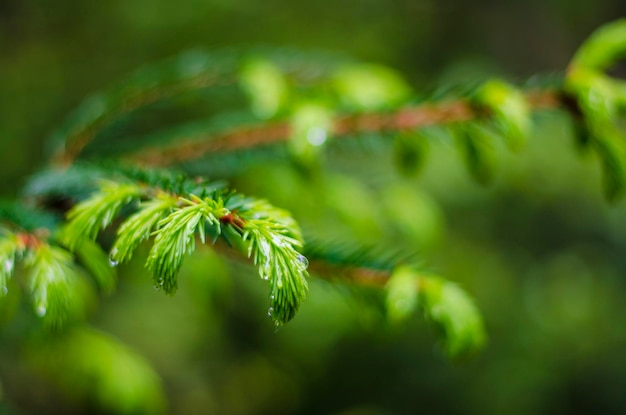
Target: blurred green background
[540,250]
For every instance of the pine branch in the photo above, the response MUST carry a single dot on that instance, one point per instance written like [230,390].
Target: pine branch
[263,232]
[348,126]
[54,285]
[279,262]
[176,237]
[451,310]
[193,70]
[11,248]
[140,225]
[55,278]
[283,106]
[89,217]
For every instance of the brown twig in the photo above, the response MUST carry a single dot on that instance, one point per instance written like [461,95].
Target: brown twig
[77,142]
[343,127]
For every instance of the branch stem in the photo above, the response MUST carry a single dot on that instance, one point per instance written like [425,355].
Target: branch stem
[344,126]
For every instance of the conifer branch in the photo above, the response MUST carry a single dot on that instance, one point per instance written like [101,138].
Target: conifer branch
[54,278]
[347,126]
[178,211]
[449,308]
[176,237]
[261,231]
[139,226]
[88,218]
[11,247]
[54,284]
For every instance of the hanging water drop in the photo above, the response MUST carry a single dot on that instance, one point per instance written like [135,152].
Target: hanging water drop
[316,136]
[265,247]
[113,257]
[270,312]
[8,266]
[277,326]
[266,277]
[279,241]
[41,310]
[303,261]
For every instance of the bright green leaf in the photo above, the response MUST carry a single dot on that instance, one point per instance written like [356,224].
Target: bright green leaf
[603,48]
[140,225]
[510,110]
[454,313]
[266,86]
[476,147]
[89,217]
[311,127]
[402,289]
[370,87]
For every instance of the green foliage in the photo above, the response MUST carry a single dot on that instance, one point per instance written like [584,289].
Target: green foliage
[402,289]
[276,108]
[442,302]
[267,234]
[311,125]
[88,218]
[510,111]
[175,211]
[367,87]
[266,86]
[477,149]
[279,262]
[54,281]
[10,248]
[597,101]
[605,46]
[176,237]
[600,99]
[58,292]
[454,313]
[139,226]
[410,152]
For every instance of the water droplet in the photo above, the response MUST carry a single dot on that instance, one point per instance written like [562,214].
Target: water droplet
[272,297]
[113,262]
[266,277]
[277,326]
[270,312]
[41,311]
[8,266]
[278,241]
[302,259]
[316,136]
[157,287]
[265,247]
